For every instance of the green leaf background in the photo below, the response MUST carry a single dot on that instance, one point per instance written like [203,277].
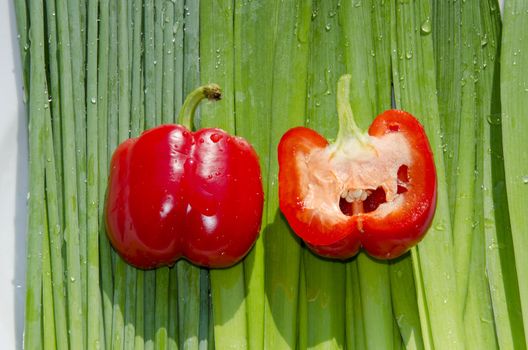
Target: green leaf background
[98,72]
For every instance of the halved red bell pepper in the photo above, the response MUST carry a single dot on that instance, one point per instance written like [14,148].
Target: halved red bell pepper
[174,193]
[375,190]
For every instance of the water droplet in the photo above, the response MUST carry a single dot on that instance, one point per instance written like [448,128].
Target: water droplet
[426,26]
[485,320]
[409,54]
[489,223]
[72,279]
[328,27]
[494,119]
[439,226]
[484,40]
[525,179]
[93,100]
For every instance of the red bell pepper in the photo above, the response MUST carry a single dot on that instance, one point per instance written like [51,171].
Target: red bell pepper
[174,193]
[375,190]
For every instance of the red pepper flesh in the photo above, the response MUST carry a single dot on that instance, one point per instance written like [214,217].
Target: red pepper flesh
[375,190]
[174,193]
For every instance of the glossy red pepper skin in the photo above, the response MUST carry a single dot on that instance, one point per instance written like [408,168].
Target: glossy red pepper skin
[340,233]
[178,194]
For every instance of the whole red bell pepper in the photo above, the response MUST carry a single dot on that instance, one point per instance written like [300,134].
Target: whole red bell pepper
[375,190]
[174,193]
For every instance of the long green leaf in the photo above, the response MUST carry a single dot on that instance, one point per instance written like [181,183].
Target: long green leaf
[479,316]
[92,240]
[37,102]
[76,31]
[125,275]
[500,259]
[514,90]
[106,280]
[71,207]
[53,183]
[290,65]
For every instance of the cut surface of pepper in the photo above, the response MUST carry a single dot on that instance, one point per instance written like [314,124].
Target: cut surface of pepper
[375,189]
[174,193]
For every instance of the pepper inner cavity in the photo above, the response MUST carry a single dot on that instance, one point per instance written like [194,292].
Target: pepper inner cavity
[357,201]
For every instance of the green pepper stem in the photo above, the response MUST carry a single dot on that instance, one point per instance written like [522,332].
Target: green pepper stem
[347,123]
[210,91]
